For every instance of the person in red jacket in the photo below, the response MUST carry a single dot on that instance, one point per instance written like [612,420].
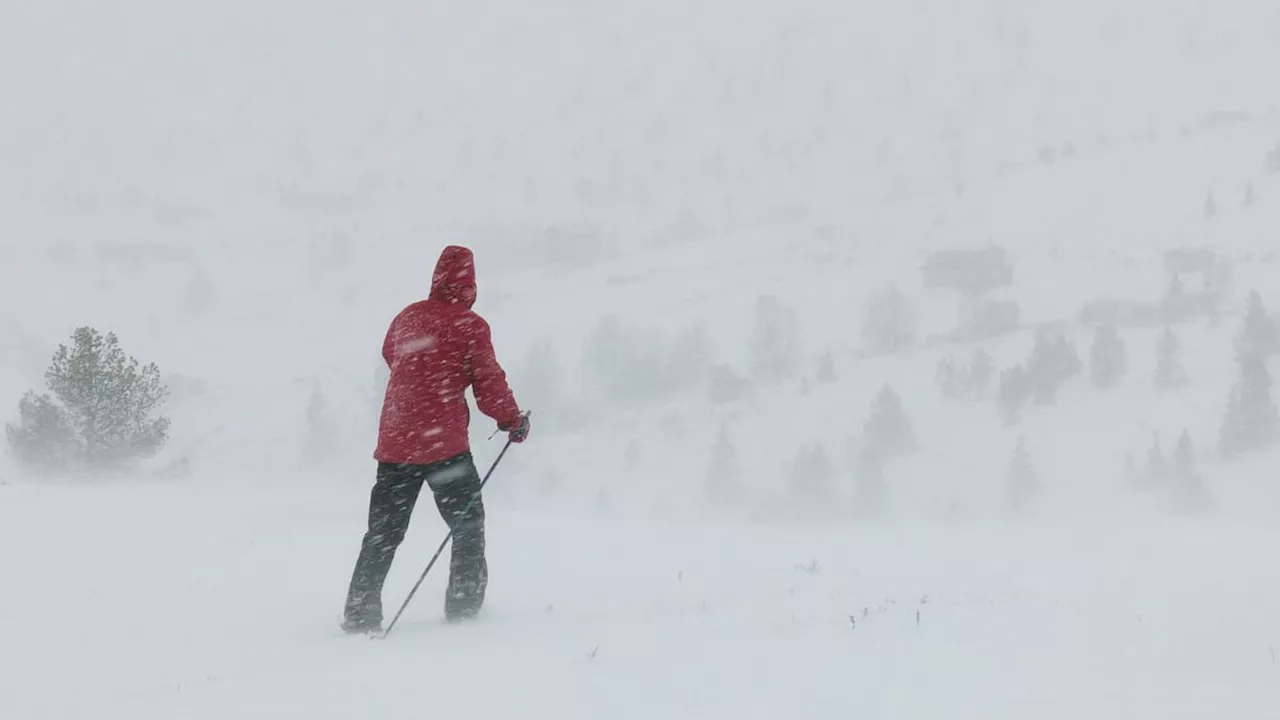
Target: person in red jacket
[435,349]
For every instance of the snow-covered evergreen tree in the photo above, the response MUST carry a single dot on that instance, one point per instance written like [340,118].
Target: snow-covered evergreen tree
[889,325]
[888,433]
[1156,472]
[978,379]
[811,479]
[1187,486]
[1259,334]
[1251,421]
[724,483]
[99,414]
[1169,372]
[1107,357]
[947,377]
[1014,392]
[1042,371]
[775,340]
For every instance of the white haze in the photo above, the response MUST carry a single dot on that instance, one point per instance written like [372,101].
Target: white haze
[246,192]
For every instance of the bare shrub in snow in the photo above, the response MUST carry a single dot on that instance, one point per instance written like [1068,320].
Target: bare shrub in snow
[99,413]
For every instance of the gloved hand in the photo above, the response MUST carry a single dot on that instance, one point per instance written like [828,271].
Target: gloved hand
[517,431]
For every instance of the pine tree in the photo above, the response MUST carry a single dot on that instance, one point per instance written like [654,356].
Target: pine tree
[1189,492]
[888,433]
[1169,372]
[99,414]
[811,475]
[1021,481]
[889,324]
[1156,473]
[1043,370]
[1251,421]
[979,376]
[1107,361]
[1210,206]
[1015,390]
[724,486]
[947,378]
[1259,334]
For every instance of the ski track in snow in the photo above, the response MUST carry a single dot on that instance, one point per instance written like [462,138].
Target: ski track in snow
[211,604]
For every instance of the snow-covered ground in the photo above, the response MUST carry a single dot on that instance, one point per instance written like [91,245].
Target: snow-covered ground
[247,191]
[164,602]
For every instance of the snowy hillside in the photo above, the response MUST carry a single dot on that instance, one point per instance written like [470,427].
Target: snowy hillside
[687,219]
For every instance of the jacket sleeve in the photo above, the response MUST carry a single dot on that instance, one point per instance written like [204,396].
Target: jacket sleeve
[488,380]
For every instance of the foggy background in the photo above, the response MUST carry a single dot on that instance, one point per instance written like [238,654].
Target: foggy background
[703,233]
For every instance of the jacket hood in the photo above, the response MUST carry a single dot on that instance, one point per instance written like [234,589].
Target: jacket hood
[454,280]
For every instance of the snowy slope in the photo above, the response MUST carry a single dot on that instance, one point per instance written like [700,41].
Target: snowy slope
[232,615]
[247,192]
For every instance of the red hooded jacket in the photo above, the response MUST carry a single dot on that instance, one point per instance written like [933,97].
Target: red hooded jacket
[436,349]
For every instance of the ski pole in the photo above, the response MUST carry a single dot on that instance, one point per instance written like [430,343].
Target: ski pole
[446,540]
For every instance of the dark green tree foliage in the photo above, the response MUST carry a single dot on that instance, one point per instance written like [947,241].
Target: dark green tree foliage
[99,412]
